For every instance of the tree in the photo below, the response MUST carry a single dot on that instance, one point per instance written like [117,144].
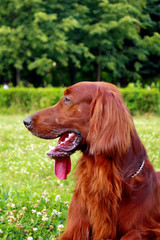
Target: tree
[37,41]
[149,59]
[61,42]
[113,36]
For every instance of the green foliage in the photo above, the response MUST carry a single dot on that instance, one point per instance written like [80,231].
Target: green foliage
[85,40]
[141,101]
[16,100]
[19,100]
[29,205]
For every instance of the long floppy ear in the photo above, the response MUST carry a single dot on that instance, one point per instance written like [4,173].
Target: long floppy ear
[111,124]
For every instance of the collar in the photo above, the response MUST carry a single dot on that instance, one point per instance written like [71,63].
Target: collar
[140,169]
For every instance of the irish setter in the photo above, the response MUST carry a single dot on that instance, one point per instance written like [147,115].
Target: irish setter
[117,195]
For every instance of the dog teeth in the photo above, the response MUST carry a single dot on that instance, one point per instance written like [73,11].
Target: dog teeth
[50,147]
[70,134]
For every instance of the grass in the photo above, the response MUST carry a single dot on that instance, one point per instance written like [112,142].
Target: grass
[33,202]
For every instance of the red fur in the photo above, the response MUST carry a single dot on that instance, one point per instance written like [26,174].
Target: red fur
[108,203]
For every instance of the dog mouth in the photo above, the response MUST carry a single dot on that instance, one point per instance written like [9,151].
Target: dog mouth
[68,143]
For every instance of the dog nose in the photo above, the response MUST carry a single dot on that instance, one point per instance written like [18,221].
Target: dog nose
[27,122]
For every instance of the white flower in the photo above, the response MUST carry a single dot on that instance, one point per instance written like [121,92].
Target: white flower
[1,231]
[55,212]
[29,238]
[44,218]
[33,211]
[57,198]
[13,205]
[35,229]
[39,214]
[45,193]
[59,214]
[60,227]
[24,208]
[47,200]
[1,218]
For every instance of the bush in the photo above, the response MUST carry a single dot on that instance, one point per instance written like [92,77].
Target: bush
[25,100]
[140,100]
[19,100]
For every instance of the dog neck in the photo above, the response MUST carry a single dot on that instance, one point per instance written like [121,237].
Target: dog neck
[99,184]
[132,163]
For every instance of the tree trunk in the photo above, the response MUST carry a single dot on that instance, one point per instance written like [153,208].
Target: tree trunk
[123,82]
[18,76]
[99,71]
[72,72]
[99,66]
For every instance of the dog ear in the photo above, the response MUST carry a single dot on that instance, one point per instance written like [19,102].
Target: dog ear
[111,124]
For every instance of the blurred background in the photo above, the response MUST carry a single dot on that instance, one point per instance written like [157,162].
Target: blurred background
[57,43]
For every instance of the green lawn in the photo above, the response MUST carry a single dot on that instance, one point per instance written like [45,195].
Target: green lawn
[30,207]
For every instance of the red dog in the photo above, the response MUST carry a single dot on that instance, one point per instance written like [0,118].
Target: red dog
[117,195]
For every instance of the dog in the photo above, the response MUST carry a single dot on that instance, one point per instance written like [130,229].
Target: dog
[117,194]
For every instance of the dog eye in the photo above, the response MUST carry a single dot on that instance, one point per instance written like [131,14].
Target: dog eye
[66,100]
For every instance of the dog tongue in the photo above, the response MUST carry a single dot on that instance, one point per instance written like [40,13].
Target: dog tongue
[62,168]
